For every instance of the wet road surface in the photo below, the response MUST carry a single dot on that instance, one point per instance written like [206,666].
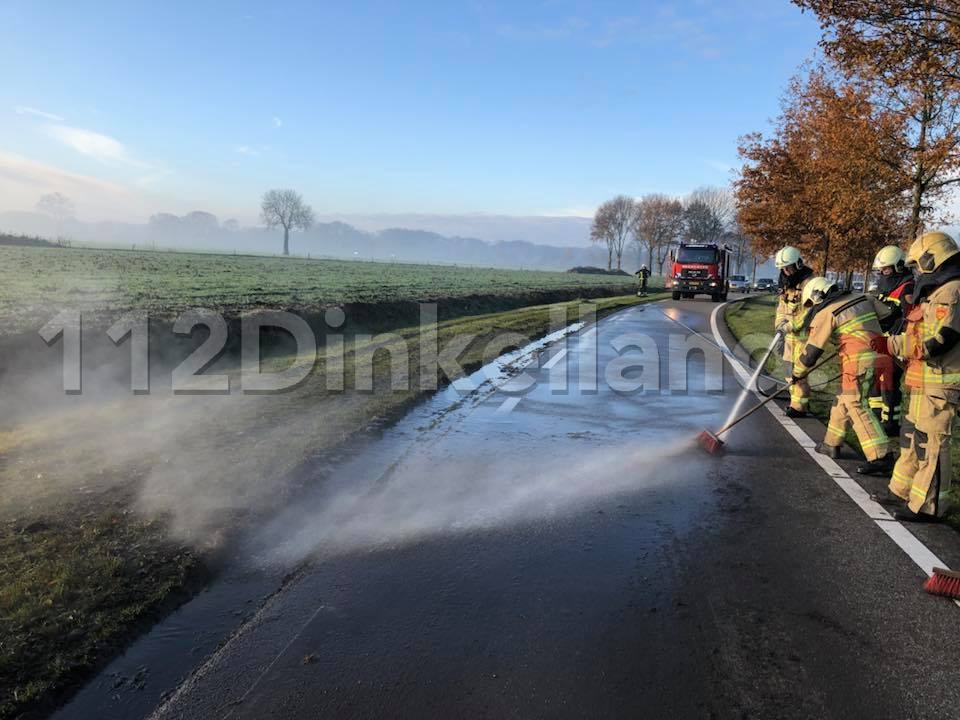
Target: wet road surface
[574,554]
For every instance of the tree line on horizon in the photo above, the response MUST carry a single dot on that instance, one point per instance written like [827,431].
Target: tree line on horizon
[656,223]
[866,149]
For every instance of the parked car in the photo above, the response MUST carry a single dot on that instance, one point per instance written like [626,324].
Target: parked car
[765,285]
[739,283]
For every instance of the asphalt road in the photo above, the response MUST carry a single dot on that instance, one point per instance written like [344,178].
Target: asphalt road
[575,554]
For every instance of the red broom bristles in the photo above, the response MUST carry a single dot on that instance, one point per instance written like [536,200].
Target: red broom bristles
[943,582]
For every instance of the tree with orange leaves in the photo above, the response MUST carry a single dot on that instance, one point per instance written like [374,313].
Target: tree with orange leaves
[907,53]
[830,181]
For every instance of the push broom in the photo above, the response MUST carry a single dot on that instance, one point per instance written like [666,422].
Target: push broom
[711,442]
[944,582]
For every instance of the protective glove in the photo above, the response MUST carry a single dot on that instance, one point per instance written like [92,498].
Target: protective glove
[880,344]
[783,327]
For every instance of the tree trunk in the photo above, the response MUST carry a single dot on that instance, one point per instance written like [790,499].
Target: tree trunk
[916,205]
[913,229]
[826,255]
[609,256]
[650,256]
[286,241]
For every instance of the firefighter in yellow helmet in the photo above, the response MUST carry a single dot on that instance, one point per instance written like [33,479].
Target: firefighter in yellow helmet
[853,319]
[930,346]
[895,285]
[789,322]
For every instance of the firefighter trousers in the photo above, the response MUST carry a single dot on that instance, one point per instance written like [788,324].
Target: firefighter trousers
[799,391]
[886,400]
[852,407]
[923,473]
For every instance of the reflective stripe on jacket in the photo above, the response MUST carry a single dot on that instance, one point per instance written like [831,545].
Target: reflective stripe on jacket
[790,310]
[938,310]
[853,320]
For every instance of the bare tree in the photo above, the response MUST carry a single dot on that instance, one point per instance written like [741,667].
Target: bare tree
[708,212]
[612,226]
[659,222]
[663,252]
[738,241]
[57,206]
[286,209]
[719,200]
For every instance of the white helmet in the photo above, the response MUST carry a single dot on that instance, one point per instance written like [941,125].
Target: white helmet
[816,290]
[890,256]
[786,256]
[931,250]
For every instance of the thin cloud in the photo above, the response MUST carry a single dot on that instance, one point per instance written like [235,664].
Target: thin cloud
[24,110]
[573,212]
[102,148]
[247,150]
[568,28]
[277,122]
[23,180]
[719,166]
[152,178]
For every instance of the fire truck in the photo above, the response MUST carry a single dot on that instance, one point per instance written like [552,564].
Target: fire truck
[700,269]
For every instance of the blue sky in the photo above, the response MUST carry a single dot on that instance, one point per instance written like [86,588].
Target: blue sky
[516,108]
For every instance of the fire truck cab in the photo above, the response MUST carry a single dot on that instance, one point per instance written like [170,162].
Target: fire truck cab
[700,269]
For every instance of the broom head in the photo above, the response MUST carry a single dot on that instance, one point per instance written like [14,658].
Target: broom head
[710,442]
[944,582]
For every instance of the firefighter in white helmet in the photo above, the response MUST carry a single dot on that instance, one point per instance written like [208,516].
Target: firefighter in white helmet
[643,275]
[789,322]
[895,290]
[930,346]
[853,320]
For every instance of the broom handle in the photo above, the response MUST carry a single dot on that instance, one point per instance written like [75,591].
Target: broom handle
[769,352]
[759,405]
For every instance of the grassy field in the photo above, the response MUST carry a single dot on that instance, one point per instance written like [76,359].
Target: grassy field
[112,510]
[756,316]
[40,281]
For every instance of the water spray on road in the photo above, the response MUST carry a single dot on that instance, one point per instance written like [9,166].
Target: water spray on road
[427,496]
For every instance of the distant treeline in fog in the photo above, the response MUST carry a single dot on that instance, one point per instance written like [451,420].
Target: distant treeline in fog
[204,231]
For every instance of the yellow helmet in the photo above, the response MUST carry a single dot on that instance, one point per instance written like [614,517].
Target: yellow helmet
[816,290]
[930,250]
[889,256]
[788,255]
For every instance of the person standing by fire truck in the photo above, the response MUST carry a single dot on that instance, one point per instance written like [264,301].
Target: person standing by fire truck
[789,323]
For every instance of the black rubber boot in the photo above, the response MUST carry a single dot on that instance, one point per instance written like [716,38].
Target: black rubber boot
[794,413]
[905,514]
[881,466]
[831,451]
[885,497]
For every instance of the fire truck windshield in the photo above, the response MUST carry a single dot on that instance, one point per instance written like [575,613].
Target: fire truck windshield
[706,256]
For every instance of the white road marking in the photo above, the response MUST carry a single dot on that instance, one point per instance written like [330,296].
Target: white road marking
[509,404]
[905,540]
[554,360]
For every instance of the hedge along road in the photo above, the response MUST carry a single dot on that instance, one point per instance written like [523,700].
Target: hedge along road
[575,553]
